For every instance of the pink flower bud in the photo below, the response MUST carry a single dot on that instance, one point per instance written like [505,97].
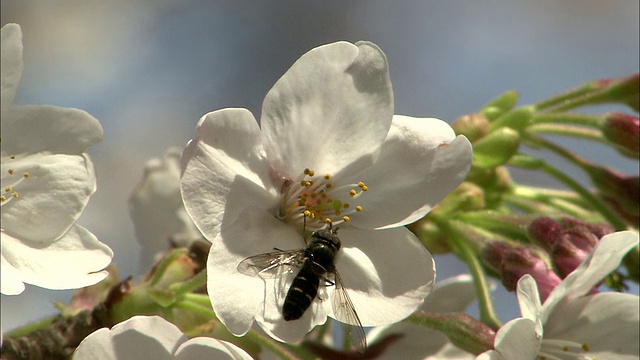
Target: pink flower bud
[522,261]
[623,131]
[625,190]
[544,230]
[511,263]
[572,247]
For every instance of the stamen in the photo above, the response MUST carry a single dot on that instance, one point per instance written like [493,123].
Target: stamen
[318,200]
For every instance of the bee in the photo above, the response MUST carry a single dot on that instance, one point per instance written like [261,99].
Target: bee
[316,264]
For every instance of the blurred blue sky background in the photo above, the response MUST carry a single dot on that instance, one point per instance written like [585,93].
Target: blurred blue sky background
[148,70]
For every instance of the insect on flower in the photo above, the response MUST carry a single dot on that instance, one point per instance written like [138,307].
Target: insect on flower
[315,262]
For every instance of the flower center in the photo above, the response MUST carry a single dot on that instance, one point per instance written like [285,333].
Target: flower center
[10,180]
[553,349]
[319,200]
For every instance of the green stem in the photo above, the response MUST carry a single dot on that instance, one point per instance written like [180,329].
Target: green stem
[567,130]
[164,264]
[29,328]
[200,299]
[196,308]
[567,96]
[572,184]
[194,283]
[463,250]
[528,205]
[565,201]
[278,348]
[568,118]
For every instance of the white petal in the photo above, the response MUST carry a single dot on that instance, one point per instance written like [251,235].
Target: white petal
[223,170]
[604,258]
[451,295]
[209,348]
[236,298]
[10,282]
[73,261]
[421,162]
[606,322]
[517,340]
[528,297]
[140,337]
[387,273]
[11,66]
[34,129]
[490,355]
[51,198]
[331,108]
[418,342]
[157,210]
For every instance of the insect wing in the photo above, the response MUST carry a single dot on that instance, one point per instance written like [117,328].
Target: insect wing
[345,312]
[271,264]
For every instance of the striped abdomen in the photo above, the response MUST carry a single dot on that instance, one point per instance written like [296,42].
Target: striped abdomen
[302,292]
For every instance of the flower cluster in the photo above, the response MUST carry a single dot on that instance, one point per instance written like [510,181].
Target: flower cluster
[47,179]
[330,207]
[328,150]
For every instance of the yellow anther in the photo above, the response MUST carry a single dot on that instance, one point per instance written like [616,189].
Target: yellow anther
[327,221]
[328,186]
[352,192]
[15,195]
[346,205]
[307,213]
[311,173]
[585,347]
[358,208]
[565,348]
[327,176]
[306,171]
[26,175]
[361,185]
[7,189]
[3,198]
[12,157]
[346,218]
[337,212]
[10,171]
[364,188]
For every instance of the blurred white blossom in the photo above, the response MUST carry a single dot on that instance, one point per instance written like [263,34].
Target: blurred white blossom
[152,337]
[47,179]
[452,295]
[157,211]
[327,144]
[574,322]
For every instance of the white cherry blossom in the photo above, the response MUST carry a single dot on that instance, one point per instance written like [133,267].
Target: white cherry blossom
[574,322]
[152,337]
[47,179]
[329,146]
[452,295]
[157,211]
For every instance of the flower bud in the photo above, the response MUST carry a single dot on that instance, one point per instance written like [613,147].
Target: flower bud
[625,190]
[517,119]
[572,247]
[494,179]
[496,148]
[473,126]
[625,90]
[466,197]
[623,131]
[514,262]
[568,240]
[545,231]
[500,105]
